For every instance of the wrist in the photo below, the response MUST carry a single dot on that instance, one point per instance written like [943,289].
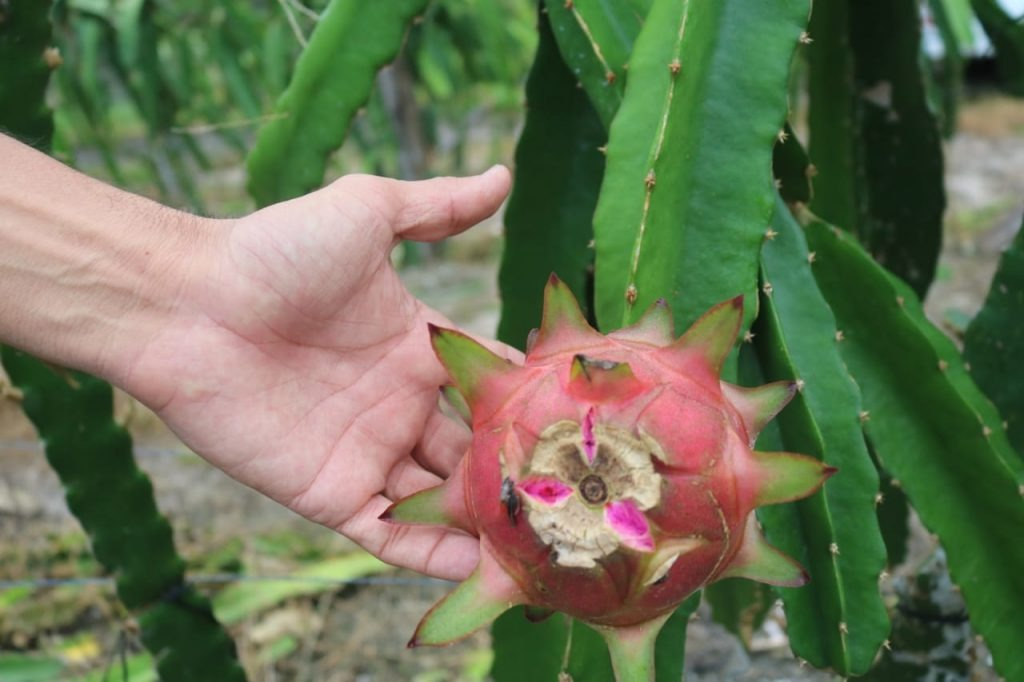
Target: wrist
[90,272]
[162,257]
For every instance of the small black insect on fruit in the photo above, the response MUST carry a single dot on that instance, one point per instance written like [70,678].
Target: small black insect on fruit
[510,498]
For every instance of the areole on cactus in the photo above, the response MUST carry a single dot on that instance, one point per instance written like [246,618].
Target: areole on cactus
[609,477]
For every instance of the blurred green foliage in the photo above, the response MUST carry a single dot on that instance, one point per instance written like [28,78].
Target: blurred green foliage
[153,94]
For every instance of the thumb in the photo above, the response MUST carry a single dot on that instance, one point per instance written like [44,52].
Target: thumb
[429,210]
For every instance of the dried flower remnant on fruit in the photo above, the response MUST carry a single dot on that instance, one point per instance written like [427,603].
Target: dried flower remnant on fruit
[586,490]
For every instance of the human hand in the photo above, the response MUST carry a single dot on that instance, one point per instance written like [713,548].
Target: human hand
[295,360]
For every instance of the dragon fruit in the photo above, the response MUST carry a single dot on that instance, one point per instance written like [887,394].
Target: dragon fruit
[609,477]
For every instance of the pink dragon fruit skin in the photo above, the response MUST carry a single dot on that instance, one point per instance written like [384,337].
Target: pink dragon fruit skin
[609,477]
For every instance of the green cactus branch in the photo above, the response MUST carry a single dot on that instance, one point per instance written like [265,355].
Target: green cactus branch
[525,650]
[936,433]
[1007,35]
[945,88]
[27,58]
[139,63]
[893,517]
[332,80]
[113,500]
[558,170]
[994,343]
[832,141]
[687,194]
[792,168]
[740,606]
[596,40]
[838,620]
[873,138]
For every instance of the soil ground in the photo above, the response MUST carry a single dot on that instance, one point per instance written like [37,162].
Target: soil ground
[359,633]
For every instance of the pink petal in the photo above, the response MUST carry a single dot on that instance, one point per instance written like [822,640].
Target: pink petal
[547,490]
[589,441]
[629,524]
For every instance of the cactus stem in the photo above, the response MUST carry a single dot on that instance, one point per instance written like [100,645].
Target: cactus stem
[655,154]
[609,73]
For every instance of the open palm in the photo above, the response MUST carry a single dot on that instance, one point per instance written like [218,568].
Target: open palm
[297,362]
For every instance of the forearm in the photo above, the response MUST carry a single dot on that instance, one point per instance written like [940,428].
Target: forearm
[87,271]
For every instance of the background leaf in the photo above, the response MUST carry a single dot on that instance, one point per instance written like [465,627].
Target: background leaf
[332,80]
[241,600]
